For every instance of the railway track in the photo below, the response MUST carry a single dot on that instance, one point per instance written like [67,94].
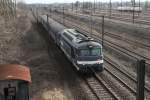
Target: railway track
[129,82]
[123,49]
[119,69]
[106,85]
[110,34]
[128,51]
[118,13]
[110,45]
[142,45]
[95,18]
[99,88]
[104,88]
[136,20]
[123,77]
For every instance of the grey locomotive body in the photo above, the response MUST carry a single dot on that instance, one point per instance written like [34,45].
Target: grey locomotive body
[80,49]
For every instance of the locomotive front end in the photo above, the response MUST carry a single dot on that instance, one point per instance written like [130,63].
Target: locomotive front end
[89,55]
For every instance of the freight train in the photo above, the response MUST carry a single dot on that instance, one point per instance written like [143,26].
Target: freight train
[81,50]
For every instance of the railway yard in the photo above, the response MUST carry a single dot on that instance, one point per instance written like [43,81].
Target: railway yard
[26,41]
[123,16]
[114,49]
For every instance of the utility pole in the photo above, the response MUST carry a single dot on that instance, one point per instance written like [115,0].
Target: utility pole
[102,30]
[47,17]
[63,15]
[94,6]
[76,8]
[91,25]
[140,79]
[133,11]
[139,7]
[15,9]
[91,22]
[146,5]
[99,5]
[110,9]
[37,15]
[50,12]
[121,7]
[83,6]
[72,6]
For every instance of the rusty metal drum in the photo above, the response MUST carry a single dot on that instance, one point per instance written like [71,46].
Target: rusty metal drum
[14,82]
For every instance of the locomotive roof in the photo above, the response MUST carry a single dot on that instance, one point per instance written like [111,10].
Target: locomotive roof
[79,39]
[88,44]
[54,25]
[75,37]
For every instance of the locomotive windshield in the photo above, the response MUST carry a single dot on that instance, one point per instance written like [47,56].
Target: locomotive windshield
[90,52]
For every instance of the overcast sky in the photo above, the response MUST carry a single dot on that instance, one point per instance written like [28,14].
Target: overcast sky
[69,1]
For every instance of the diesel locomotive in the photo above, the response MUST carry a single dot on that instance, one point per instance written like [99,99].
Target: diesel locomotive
[81,50]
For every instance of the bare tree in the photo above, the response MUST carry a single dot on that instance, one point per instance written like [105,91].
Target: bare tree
[7,8]
[21,4]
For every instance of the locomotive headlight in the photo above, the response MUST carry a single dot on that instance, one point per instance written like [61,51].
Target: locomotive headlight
[99,61]
[81,62]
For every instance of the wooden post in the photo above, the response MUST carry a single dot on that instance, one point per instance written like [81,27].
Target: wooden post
[139,7]
[121,7]
[91,22]
[110,9]
[15,8]
[94,6]
[76,8]
[37,15]
[102,30]
[47,17]
[133,11]
[63,15]
[9,9]
[50,12]
[83,7]
[1,7]
[99,5]
[72,6]
[140,79]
